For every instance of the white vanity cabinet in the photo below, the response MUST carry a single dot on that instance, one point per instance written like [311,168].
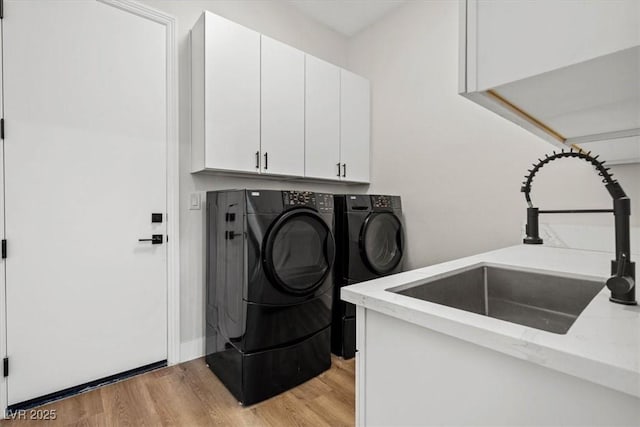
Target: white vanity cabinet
[282,109]
[355,114]
[225,81]
[565,70]
[322,120]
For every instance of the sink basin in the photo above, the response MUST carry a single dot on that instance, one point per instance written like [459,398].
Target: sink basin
[539,300]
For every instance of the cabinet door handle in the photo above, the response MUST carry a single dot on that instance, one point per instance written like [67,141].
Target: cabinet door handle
[338,164]
[257,159]
[344,170]
[266,161]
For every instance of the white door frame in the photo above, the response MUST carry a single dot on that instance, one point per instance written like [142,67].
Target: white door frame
[3,282]
[173,207]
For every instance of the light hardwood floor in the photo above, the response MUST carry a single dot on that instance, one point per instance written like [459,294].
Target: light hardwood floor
[189,394]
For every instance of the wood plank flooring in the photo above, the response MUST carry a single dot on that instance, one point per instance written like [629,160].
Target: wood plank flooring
[189,394]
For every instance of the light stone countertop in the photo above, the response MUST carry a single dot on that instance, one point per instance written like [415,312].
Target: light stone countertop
[602,346]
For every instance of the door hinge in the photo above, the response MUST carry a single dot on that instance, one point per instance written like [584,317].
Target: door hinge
[1,125]
[5,367]
[4,248]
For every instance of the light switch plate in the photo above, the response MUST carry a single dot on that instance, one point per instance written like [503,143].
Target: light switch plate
[194,202]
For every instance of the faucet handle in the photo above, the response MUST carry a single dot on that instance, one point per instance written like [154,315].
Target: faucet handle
[622,264]
[621,283]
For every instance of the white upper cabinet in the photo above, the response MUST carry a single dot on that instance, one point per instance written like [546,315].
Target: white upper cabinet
[225,95]
[322,122]
[516,39]
[565,70]
[354,126]
[282,109]
[260,106]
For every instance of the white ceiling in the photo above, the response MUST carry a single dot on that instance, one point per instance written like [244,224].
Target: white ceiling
[346,16]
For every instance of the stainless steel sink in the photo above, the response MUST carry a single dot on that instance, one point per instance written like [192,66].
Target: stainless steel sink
[536,299]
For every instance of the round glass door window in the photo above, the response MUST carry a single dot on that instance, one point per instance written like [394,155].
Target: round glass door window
[381,242]
[299,251]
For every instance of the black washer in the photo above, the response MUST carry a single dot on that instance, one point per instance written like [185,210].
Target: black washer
[270,257]
[370,243]
[382,242]
[299,251]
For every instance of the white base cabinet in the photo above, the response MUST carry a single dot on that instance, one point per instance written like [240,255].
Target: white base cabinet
[262,107]
[411,375]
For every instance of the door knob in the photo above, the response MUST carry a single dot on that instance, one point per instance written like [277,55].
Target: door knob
[155,239]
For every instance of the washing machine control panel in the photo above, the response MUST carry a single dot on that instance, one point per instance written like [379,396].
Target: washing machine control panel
[319,201]
[299,198]
[324,202]
[381,201]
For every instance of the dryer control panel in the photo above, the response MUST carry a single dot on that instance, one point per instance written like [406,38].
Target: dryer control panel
[381,201]
[385,202]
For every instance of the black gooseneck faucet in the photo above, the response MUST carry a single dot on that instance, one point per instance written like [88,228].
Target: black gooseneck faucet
[623,270]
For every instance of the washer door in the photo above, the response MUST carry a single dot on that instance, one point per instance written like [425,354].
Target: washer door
[382,242]
[299,251]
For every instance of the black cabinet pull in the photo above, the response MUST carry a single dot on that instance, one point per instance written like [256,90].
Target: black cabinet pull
[155,239]
[344,170]
[257,159]
[338,164]
[266,161]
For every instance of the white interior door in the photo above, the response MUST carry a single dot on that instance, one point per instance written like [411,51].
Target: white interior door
[85,167]
[282,109]
[3,325]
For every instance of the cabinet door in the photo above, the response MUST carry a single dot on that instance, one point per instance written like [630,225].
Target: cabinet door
[282,110]
[354,126]
[228,116]
[567,71]
[516,39]
[322,119]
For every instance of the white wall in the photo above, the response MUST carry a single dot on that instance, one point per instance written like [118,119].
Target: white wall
[457,166]
[279,21]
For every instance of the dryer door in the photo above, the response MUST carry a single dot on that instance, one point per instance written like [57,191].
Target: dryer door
[299,251]
[382,242]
